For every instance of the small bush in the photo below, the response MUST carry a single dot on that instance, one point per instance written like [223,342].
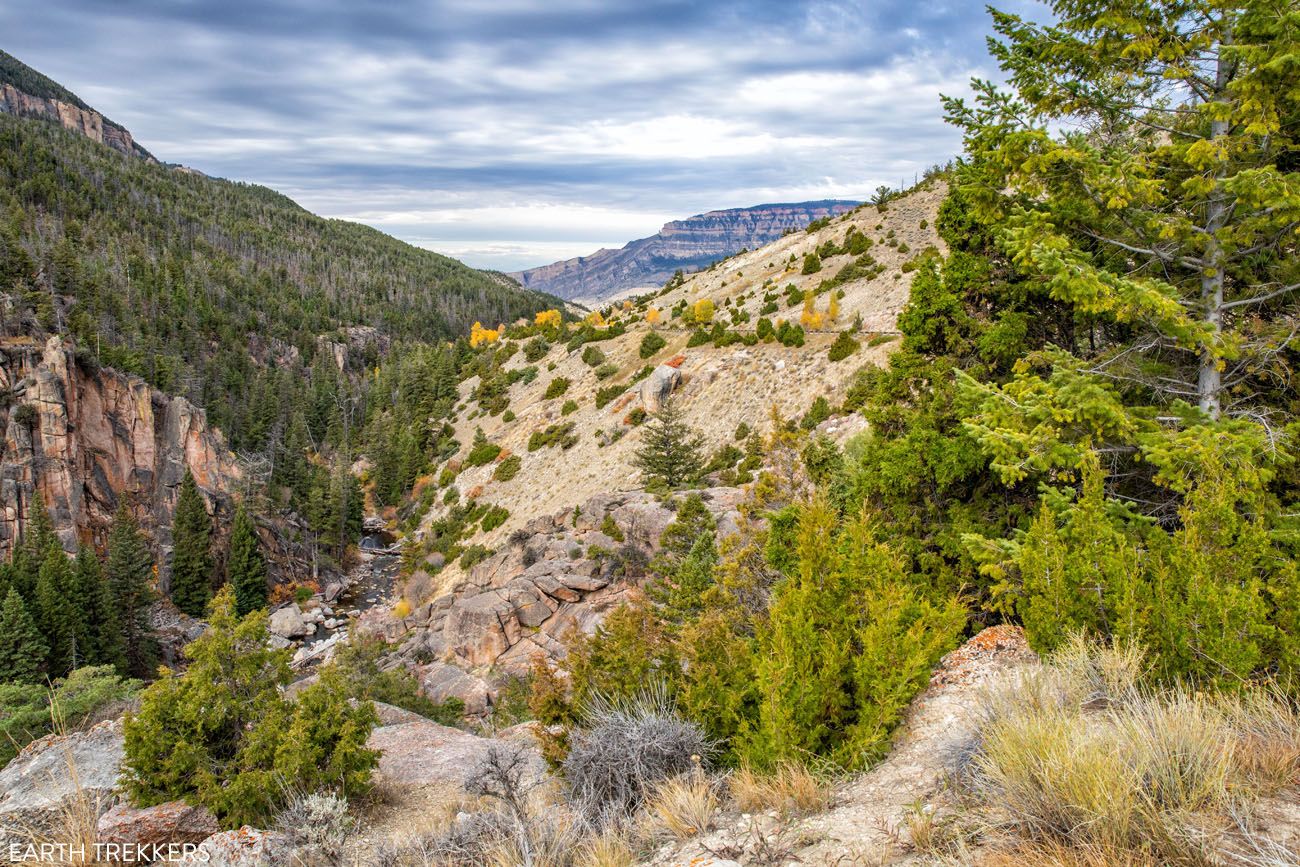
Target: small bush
[570,407]
[561,435]
[607,394]
[843,347]
[789,789]
[651,343]
[508,416]
[474,555]
[318,820]
[610,529]
[605,371]
[495,517]
[536,349]
[482,452]
[508,468]
[593,357]
[623,751]
[556,387]
[812,263]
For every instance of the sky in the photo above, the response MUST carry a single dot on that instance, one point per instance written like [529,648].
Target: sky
[514,133]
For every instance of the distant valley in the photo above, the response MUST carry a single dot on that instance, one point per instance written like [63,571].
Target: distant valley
[688,245]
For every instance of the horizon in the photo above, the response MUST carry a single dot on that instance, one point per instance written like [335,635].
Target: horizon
[523,135]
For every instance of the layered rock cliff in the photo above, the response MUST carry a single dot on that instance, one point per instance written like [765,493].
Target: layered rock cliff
[84,438]
[688,244]
[85,121]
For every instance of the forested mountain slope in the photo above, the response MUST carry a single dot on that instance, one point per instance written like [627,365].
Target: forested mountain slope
[189,281]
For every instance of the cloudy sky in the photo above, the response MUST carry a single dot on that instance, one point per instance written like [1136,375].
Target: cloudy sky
[512,133]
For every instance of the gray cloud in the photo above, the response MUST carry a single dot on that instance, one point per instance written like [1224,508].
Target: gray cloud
[514,132]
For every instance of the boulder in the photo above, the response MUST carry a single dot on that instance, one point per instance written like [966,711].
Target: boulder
[440,681]
[288,622]
[56,772]
[174,822]
[658,386]
[245,847]
[424,753]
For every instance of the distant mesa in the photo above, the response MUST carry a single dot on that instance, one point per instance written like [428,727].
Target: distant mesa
[688,245]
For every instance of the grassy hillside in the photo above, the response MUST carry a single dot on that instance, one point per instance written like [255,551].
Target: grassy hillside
[186,279]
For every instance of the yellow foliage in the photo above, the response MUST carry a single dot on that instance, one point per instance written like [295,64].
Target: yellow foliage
[402,609]
[704,311]
[653,316]
[810,318]
[548,319]
[595,319]
[833,309]
[478,335]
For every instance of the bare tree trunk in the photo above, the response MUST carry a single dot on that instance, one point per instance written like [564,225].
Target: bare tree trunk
[1209,380]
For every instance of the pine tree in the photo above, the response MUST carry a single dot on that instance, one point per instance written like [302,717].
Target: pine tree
[59,615]
[104,639]
[129,571]
[22,650]
[671,453]
[246,568]
[191,581]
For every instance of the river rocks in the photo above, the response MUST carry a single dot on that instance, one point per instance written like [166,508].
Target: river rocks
[172,822]
[40,783]
[658,386]
[288,622]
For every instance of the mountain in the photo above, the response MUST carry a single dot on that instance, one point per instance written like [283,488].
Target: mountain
[26,93]
[132,292]
[686,245]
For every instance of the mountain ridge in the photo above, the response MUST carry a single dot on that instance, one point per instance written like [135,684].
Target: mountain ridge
[689,244]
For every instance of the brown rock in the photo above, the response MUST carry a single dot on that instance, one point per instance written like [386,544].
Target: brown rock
[172,822]
[421,753]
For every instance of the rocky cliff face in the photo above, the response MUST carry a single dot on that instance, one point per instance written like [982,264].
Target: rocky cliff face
[87,122]
[688,244]
[85,438]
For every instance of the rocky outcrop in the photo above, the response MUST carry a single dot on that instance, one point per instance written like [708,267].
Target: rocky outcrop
[85,437]
[56,774]
[688,245]
[422,753]
[658,387]
[561,572]
[78,119]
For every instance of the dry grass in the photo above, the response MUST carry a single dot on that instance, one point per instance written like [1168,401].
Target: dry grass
[611,849]
[75,827]
[791,788]
[1082,765]
[684,805]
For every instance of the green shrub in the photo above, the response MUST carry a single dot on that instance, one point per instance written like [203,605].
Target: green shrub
[818,412]
[790,334]
[812,263]
[222,736]
[481,452]
[570,406]
[742,431]
[605,371]
[508,416]
[607,394]
[651,343]
[593,357]
[536,349]
[698,337]
[474,555]
[610,529]
[358,662]
[495,517]
[508,468]
[82,698]
[561,435]
[843,347]
[557,387]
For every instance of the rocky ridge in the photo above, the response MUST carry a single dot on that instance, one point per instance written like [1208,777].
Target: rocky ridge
[78,119]
[688,244]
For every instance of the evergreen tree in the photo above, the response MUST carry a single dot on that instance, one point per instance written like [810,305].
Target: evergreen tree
[191,581]
[22,650]
[671,453]
[59,614]
[129,571]
[104,639]
[246,568]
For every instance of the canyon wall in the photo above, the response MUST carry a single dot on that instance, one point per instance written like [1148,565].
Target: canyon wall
[87,122]
[84,437]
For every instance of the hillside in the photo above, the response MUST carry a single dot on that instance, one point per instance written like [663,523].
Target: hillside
[721,388]
[685,245]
